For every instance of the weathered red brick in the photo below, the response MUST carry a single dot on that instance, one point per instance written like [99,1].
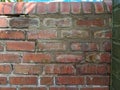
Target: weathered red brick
[75,7]
[52,7]
[41,8]
[30,7]
[33,88]
[63,88]
[46,80]
[3,80]
[9,58]
[66,58]
[85,46]
[59,69]
[4,22]
[99,8]
[5,69]
[87,69]
[87,7]
[98,80]
[102,69]
[1,7]
[37,57]
[92,69]
[109,6]
[97,22]
[8,34]
[106,46]
[64,8]
[42,34]
[7,8]
[105,57]
[20,46]
[19,7]
[27,69]
[70,80]
[23,80]
[48,46]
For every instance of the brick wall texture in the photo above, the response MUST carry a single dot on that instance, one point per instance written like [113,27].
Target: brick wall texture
[55,46]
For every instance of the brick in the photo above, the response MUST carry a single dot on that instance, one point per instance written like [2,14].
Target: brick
[109,6]
[98,80]
[17,35]
[60,22]
[86,69]
[46,80]
[64,8]
[30,7]
[19,22]
[87,7]
[98,88]
[85,46]
[51,46]
[99,8]
[92,57]
[97,22]
[37,57]
[33,88]
[20,46]
[42,34]
[75,7]
[19,7]
[1,7]
[5,69]
[67,58]
[7,8]
[7,88]
[75,34]
[59,69]
[9,58]
[92,69]
[23,80]
[106,46]
[3,22]
[63,88]
[41,8]
[34,23]
[103,34]
[105,57]
[102,69]
[70,80]
[3,80]
[28,69]
[52,7]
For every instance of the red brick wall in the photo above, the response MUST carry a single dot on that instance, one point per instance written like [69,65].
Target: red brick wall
[57,46]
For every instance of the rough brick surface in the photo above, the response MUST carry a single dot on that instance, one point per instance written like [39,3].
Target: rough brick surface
[23,80]
[20,46]
[55,46]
